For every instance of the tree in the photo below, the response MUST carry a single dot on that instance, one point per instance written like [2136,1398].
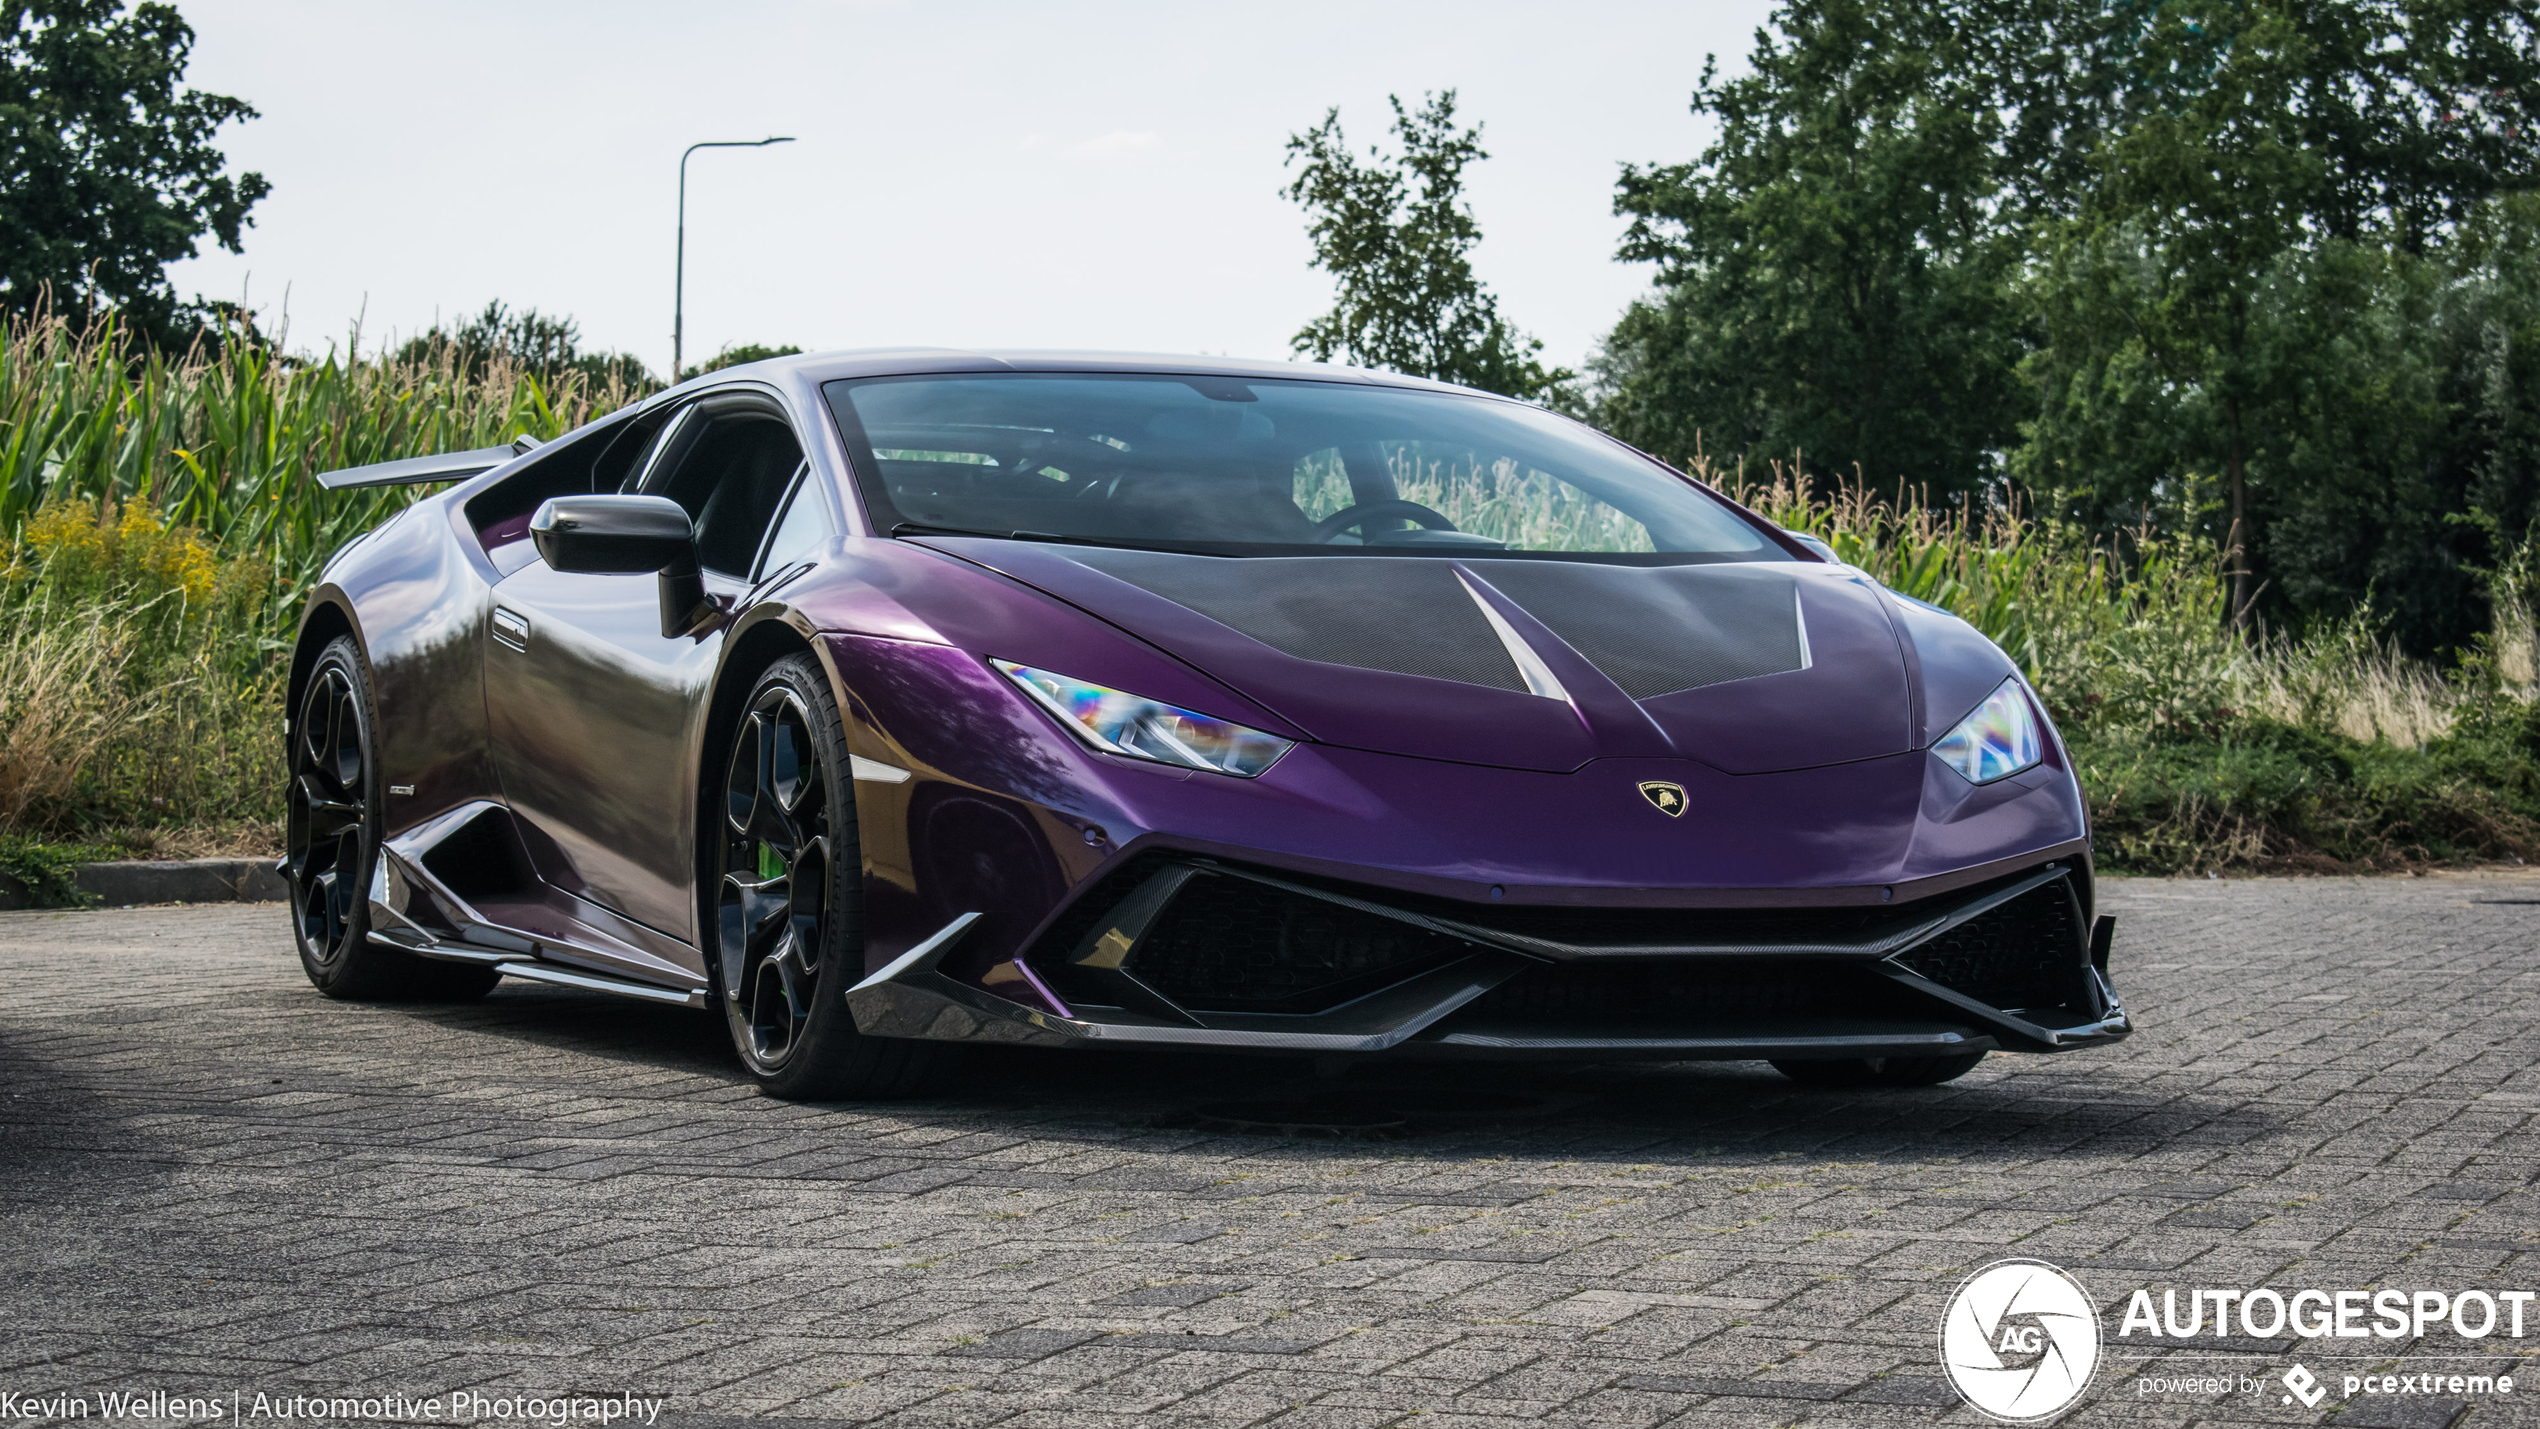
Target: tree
[112,173]
[550,348]
[1832,271]
[2252,287]
[1408,299]
[733,354]
[2260,269]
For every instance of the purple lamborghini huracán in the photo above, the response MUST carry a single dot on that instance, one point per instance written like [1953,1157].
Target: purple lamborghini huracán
[890,701]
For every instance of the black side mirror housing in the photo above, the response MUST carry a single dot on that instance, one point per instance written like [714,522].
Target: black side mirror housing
[612,535]
[627,535]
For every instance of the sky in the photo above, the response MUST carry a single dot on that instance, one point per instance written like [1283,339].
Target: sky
[965,173]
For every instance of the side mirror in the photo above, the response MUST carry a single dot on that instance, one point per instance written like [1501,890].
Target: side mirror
[613,535]
[627,535]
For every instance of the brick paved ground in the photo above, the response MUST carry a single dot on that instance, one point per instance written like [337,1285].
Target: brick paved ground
[211,1179]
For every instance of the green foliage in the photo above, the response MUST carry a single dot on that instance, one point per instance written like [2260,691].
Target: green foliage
[111,170]
[139,682]
[227,441]
[2262,282]
[159,526]
[1398,235]
[42,873]
[734,354]
[2263,272]
[546,348]
[2274,797]
[1833,278]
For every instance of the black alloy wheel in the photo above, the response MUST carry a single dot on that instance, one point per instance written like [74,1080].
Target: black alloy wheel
[327,828]
[331,836]
[787,906]
[1879,1071]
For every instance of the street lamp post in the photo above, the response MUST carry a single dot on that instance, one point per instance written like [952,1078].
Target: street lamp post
[679,273]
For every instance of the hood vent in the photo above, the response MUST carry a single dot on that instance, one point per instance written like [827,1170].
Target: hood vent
[1653,630]
[1410,616]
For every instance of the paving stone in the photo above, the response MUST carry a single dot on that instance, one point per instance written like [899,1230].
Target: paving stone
[213,1178]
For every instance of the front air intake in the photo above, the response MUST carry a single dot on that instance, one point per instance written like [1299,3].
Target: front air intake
[2022,954]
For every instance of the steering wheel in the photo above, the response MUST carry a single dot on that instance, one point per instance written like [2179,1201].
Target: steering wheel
[1352,517]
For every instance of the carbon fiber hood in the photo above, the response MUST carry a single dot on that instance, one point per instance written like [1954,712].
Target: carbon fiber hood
[1529,664]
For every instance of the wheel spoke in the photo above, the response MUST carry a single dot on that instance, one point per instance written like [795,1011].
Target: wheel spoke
[348,738]
[806,901]
[327,816]
[782,754]
[740,784]
[315,716]
[790,764]
[752,917]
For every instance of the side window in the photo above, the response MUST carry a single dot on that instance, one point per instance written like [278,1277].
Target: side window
[803,531]
[729,471]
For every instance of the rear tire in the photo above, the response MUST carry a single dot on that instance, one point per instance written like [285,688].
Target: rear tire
[787,907]
[332,830]
[1879,1071]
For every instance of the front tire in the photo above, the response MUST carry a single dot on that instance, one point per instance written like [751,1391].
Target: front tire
[332,831]
[1879,1071]
[788,907]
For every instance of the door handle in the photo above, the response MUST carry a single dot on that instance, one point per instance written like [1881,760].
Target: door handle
[511,628]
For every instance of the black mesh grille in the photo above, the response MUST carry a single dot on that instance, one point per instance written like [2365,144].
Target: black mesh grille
[1412,617]
[1684,990]
[1231,945]
[2025,953]
[1654,630]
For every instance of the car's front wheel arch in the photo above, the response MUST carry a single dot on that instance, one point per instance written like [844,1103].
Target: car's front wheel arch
[324,620]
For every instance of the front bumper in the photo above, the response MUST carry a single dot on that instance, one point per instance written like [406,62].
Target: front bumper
[1175,950]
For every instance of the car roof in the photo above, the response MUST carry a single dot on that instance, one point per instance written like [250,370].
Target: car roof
[818,367]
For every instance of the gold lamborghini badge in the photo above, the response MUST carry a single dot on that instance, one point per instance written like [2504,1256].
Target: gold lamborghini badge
[1668,799]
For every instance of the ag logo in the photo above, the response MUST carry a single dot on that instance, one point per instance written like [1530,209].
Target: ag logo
[1670,798]
[2020,1340]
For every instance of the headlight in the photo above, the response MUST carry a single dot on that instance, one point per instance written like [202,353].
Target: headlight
[2001,738]
[1122,723]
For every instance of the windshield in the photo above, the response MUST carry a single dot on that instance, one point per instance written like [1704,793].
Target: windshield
[1266,467]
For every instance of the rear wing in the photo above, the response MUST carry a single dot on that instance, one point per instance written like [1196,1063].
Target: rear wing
[449,466]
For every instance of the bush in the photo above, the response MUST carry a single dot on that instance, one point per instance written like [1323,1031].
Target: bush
[138,680]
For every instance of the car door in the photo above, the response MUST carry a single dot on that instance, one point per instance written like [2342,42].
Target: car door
[593,715]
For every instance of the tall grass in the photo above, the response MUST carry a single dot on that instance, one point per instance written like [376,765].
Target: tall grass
[225,440]
[138,684]
[159,525]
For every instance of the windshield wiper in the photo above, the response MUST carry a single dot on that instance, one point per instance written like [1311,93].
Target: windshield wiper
[919,528]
